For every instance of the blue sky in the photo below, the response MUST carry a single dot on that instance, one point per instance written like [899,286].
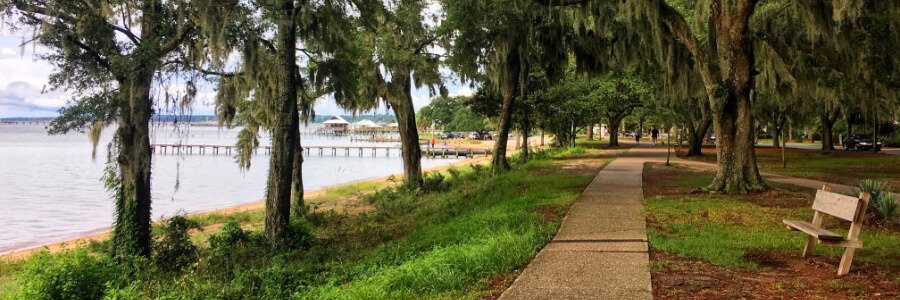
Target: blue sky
[23,78]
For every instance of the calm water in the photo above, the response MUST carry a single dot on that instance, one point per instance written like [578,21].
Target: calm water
[50,189]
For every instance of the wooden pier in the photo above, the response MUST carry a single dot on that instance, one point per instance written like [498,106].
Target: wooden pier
[373,151]
[380,139]
[26,122]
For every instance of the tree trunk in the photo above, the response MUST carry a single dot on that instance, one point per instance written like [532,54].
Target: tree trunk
[590,132]
[790,134]
[849,127]
[727,73]
[776,142]
[409,136]
[131,232]
[827,139]
[525,149]
[574,134]
[613,131]
[696,135]
[498,161]
[300,210]
[284,132]
[526,127]
[737,171]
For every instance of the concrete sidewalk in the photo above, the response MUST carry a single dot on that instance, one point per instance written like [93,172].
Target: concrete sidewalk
[600,251]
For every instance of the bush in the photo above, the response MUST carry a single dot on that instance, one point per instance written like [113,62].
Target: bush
[73,274]
[882,202]
[229,235]
[454,173]
[175,251]
[886,207]
[299,234]
[434,182]
[278,281]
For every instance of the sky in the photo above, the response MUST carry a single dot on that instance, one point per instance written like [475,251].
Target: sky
[23,78]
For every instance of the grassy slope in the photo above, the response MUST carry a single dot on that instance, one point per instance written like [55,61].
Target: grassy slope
[723,228]
[434,245]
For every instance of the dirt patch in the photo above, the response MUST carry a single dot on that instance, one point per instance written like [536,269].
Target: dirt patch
[781,275]
[678,180]
[550,213]
[586,164]
[498,284]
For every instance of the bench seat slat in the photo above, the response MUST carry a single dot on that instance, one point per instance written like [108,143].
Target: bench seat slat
[813,230]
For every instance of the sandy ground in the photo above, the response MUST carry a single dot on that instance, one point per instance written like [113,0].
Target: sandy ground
[104,233]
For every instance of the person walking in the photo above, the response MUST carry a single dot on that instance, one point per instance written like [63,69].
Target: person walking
[432,143]
[654,134]
[637,135]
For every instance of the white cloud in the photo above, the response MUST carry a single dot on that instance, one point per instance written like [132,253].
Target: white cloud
[464,91]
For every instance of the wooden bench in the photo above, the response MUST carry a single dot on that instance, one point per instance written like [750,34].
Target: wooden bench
[840,206]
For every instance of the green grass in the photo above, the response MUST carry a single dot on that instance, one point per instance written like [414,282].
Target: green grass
[8,268]
[722,228]
[412,245]
[837,167]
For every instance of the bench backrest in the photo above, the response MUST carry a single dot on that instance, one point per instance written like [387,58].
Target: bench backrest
[837,205]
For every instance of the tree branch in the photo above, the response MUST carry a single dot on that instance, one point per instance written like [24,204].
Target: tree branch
[561,2]
[176,41]
[94,54]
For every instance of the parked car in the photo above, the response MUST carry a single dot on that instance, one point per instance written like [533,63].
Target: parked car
[474,136]
[486,136]
[459,135]
[628,133]
[448,135]
[861,142]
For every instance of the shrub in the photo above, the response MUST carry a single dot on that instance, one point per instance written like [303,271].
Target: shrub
[175,251]
[454,173]
[886,207]
[278,281]
[434,182]
[478,170]
[873,187]
[299,234]
[72,274]
[229,235]
[882,202]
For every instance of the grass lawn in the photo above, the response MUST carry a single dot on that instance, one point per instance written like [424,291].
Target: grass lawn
[466,237]
[716,246]
[597,143]
[842,167]
[805,143]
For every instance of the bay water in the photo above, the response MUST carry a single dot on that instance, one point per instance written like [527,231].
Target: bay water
[51,189]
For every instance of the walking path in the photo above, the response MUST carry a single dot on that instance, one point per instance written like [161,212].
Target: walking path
[601,250]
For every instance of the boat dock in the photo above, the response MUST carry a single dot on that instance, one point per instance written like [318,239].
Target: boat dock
[373,151]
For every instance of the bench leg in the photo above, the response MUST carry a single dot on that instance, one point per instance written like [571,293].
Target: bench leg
[846,260]
[810,246]
[818,217]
